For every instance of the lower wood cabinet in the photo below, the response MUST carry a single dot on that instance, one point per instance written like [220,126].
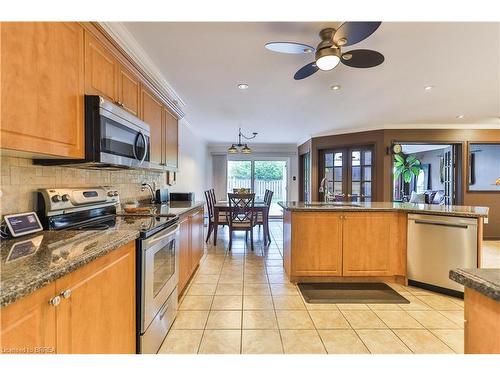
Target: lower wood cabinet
[191,246]
[481,323]
[96,312]
[349,244]
[373,244]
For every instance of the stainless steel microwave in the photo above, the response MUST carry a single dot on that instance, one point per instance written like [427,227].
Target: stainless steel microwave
[114,138]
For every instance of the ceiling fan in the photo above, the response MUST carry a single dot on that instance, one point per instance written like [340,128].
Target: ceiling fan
[328,53]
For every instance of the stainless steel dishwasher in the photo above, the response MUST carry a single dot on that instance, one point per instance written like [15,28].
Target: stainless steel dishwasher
[436,244]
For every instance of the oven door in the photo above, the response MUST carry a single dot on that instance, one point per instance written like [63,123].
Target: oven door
[160,272]
[122,143]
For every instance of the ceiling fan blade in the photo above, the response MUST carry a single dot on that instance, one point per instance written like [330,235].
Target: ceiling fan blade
[289,47]
[362,58]
[350,33]
[306,71]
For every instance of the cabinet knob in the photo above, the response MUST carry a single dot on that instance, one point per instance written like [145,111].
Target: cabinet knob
[55,301]
[66,294]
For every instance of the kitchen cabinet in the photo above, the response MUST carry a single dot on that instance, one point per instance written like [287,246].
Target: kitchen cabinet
[370,242]
[344,244]
[29,325]
[171,139]
[152,113]
[196,239]
[191,246]
[101,69]
[42,86]
[323,232]
[481,323]
[185,258]
[95,312]
[129,90]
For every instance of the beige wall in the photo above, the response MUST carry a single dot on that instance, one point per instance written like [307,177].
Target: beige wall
[20,179]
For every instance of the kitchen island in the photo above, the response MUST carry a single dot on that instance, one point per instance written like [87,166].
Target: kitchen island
[343,241]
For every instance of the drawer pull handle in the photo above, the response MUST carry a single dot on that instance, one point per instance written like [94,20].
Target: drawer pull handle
[55,301]
[66,294]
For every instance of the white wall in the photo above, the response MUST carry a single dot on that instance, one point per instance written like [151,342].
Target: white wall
[193,163]
[266,151]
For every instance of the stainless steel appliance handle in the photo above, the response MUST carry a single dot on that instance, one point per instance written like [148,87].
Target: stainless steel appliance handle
[140,134]
[462,226]
[164,236]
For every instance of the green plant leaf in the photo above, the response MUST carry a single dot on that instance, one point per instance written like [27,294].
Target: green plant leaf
[399,158]
[407,175]
[415,170]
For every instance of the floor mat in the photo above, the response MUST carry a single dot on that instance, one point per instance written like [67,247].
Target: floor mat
[350,293]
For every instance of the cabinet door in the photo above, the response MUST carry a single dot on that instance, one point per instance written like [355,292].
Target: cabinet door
[128,90]
[373,243]
[171,138]
[152,109]
[29,325]
[42,69]
[184,253]
[316,244]
[101,69]
[196,239]
[99,315]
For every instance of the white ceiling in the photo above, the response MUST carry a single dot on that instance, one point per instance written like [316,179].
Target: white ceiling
[205,61]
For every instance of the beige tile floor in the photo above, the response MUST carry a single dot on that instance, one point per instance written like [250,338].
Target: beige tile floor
[241,302]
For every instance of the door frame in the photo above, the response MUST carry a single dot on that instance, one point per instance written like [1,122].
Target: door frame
[345,149]
[457,148]
[252,158]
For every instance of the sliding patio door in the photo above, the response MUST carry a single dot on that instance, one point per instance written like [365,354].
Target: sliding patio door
[259,176]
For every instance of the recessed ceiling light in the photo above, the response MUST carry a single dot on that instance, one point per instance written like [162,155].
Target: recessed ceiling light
[335,87]
[242,86]
[428,88]
[460,117]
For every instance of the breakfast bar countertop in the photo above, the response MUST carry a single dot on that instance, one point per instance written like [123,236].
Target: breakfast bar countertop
[483,280]
[417,208]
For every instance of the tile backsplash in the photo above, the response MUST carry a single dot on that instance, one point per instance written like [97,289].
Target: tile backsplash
[20,179]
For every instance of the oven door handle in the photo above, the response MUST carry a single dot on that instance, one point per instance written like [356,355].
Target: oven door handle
[153,241]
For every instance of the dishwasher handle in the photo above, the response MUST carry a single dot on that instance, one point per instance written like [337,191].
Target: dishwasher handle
[443,224]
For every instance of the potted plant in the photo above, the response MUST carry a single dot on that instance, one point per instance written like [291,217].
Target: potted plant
[408,167]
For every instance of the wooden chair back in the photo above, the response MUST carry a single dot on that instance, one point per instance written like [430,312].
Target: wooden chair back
[241,210]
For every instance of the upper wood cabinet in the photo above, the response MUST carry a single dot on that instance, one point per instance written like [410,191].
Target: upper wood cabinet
[318,249]
[29,325]
[373,244]
[129,89]
[152,113]
[171,138]
[101,69]
[42,88]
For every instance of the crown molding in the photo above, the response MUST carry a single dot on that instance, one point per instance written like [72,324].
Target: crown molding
[120,34]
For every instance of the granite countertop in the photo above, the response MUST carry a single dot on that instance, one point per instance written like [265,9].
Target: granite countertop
[30,262]
[433,209]
[483,280]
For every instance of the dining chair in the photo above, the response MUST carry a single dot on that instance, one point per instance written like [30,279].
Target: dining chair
[268,197]
[241,215]
[223,219]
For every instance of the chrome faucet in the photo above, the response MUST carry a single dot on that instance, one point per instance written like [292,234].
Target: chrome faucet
[151,191]
[323,188]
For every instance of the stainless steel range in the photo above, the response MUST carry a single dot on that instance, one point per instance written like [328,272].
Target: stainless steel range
[157,251]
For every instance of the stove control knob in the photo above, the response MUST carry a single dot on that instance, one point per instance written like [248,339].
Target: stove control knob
[56,198]
[65,197]
[110,193]
[115,193]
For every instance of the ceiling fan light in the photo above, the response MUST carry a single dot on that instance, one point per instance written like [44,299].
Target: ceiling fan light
[327,58]
[232,150]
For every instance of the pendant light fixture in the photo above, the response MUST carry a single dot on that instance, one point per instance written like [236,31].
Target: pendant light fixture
[241,147]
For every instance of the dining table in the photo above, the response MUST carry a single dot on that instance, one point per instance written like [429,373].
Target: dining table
[259,207]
